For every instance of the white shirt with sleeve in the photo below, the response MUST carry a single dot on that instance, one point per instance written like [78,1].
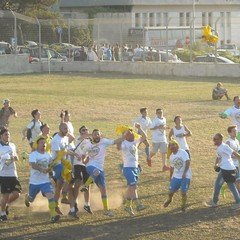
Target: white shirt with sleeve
[81,145]
[224,153]
[58,143]
[145,123]
[178,162]
[158,135]
[130,153]
[97,152]
[7,163]
[234,114]
[42,160]
[234,144]
[36,131]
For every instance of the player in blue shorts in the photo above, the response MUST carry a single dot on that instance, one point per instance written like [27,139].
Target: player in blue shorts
[129,149]
[180,173]
[39,178]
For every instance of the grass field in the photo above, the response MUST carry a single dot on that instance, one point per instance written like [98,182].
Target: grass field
[105,101]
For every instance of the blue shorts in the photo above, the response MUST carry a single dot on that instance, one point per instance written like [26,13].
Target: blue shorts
[35,189]
[176,183]
[131,174]
[237,175]
[57,172]
[100,179]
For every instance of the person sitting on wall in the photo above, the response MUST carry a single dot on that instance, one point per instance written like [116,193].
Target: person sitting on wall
[219,91]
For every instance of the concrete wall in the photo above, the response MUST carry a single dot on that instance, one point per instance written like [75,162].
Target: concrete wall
[11,64]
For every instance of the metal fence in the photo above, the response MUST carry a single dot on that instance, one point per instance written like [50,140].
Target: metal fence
[17,29]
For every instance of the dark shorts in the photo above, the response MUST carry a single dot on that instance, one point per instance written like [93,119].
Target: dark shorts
[10,184]
[80,172]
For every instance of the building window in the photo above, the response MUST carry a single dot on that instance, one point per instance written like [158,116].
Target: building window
[188,18]
[181,19]
[210,19]
[151,20]
[137,20]
[204,19]
[144,20]
[158,19]
[165,17]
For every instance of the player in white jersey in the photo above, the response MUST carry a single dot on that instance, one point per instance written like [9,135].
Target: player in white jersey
[159,139]
[233,143]
[145,123]
[80,172]
[129,149]
[226,171]
[179,133]
[9,183]
[65,117]
[180,173]
[96,152]
[234,113]
[39,161]
[60,143]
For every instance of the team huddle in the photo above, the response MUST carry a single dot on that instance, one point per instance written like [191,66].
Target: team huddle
[71,164]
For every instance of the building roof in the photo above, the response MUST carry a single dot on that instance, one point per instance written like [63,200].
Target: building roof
[97,3]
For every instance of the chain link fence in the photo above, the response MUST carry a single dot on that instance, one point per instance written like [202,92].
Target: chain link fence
[121,29]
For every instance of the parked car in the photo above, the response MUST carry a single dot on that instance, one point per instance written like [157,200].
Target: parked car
[154,56]
[30,44]
[3,46]
[211,58]
[46,54]
[231,48]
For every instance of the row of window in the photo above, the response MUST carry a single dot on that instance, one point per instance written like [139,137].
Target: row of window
[159,19]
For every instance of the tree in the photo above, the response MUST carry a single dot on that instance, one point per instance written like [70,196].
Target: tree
[31,8]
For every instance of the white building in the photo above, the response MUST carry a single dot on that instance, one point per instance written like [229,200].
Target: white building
[224,15]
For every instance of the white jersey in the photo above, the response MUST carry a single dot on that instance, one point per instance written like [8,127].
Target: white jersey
[35,130]
[80,149]
[71,131]
[7,163]
[42,160]
[234,145]
[178,162]
[58,143]
[97,152]
[130,153]
[145,123]
[158,135]
[234,114]
[224,153]
[182,141]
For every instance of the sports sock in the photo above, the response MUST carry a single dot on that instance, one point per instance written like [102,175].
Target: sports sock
[105,202]
[51,206]
[136,202]
[64,195]
[89,181]
[129,203]
[184,200]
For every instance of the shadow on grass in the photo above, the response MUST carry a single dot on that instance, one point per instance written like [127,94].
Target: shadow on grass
[141,226]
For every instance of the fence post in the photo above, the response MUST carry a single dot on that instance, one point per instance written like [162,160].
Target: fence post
[215,47]
[39,39]
[167,23]
[15,31]
[191,40]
